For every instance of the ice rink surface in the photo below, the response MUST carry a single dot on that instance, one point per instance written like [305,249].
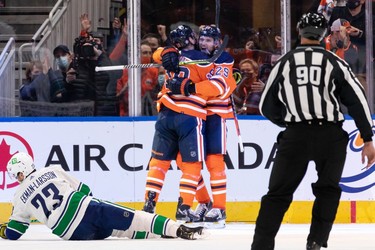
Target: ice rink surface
[235,236]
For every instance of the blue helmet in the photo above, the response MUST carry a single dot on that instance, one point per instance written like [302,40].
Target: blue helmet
[312,26]
[180,36]
[210,31]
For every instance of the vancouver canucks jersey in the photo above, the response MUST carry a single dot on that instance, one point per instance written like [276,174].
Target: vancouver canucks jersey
[54,198]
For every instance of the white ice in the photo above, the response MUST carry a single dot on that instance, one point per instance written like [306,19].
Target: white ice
[236,236]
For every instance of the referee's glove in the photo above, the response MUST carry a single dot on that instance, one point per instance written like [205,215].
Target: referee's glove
[181,86]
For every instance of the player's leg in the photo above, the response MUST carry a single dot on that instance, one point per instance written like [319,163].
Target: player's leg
[218,179]
[145,225]
[103,219]
[216,133]
[203,198]
[191,145]
[164,150]
[154,183]
[188,185]
[202,195]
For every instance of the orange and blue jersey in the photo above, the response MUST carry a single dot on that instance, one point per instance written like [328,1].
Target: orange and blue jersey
[214,83]
[218,86]
[194,105]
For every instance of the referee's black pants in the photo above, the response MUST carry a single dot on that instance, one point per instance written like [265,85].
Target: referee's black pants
[300,143]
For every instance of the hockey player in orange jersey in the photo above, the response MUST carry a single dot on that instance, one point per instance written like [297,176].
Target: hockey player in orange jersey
[219,108]
[181,121]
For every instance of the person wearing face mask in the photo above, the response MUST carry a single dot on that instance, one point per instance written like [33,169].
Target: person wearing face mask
[354,12]
[65,71]
[63,57]
[339,42]
[149,79]
[42,84]
[247,94]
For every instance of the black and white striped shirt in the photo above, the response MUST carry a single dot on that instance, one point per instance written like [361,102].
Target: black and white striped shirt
[310,83]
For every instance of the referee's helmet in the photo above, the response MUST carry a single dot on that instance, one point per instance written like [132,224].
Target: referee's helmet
[312,26]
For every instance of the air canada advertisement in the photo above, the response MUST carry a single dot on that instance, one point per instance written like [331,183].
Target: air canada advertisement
[112,158]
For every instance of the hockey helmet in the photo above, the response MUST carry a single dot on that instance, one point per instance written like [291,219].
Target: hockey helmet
[312,26]
[20,163]
[210,31]
[180,36]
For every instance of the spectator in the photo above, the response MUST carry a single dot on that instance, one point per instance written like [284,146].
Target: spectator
[162,30]
[325,8]
[339,43]
[116,33]
[153,40]
[105,102]
[252,42]
[119,53]
[149,79]
[149,99]
[66,71]
[41,84]
[90,85]
[354,13]
[247,94]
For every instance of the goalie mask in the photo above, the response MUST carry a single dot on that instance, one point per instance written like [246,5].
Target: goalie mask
[180,36]
[20,163]
[312,26]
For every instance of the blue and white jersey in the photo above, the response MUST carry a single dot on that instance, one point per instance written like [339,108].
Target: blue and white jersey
[54,198]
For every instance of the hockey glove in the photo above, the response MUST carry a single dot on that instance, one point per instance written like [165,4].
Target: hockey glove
[3,227]
[170,59]
[181,86]
[237,75]
[189,233]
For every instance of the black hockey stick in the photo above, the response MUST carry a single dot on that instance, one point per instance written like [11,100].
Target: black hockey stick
[150,65]
[217,13]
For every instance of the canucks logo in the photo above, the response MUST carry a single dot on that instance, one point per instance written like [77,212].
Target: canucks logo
[355,180]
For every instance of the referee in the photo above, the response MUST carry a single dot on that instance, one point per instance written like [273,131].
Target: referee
[304,93]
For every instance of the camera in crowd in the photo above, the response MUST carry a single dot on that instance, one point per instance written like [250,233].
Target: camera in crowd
[84,48]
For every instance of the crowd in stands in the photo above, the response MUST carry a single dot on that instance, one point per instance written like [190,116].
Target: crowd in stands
[76,80]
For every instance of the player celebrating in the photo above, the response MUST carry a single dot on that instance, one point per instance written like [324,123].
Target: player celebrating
[181,123]
[66,206]
[219,108]
[193,81]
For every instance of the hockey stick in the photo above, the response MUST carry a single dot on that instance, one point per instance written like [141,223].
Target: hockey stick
[237,125]
[217,18]
[150,65]
[217,13]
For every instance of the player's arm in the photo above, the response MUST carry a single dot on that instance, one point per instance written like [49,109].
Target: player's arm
[220,84]
[13,230]
[18,223]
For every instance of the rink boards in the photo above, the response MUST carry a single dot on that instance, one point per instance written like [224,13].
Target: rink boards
[111,156]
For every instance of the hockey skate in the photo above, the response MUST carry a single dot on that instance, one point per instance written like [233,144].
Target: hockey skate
[185,214]
[150,203]
[215,218]
[202,209]
[189,233]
